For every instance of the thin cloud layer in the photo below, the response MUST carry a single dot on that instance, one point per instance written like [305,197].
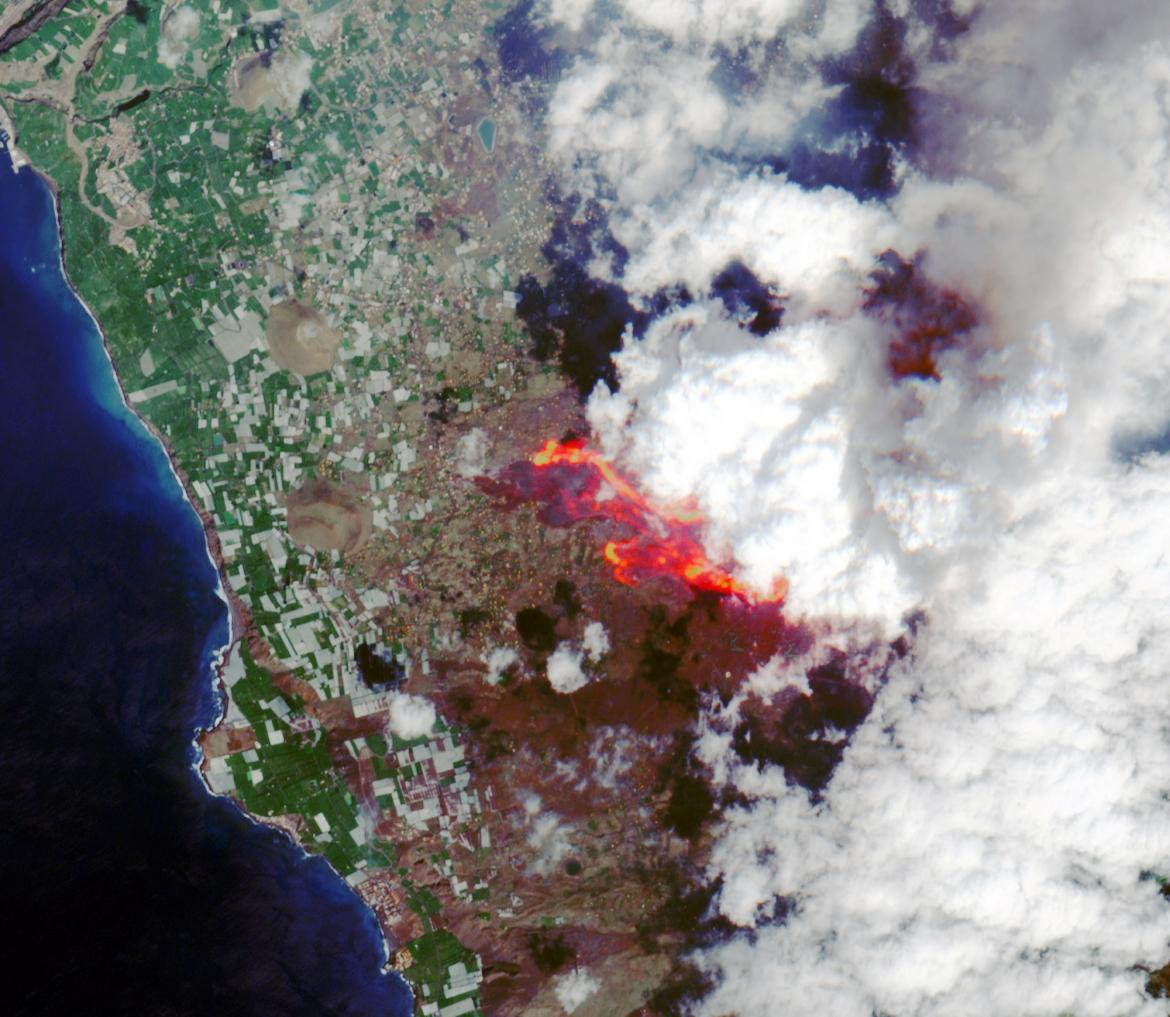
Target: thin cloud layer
[993,840]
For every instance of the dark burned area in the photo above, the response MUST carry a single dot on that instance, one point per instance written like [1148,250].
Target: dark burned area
[629,889]
[380,670]
[677,645]
[579,321]
[925,319]
[792,734]
[138,10]
[523,46]
[675,652]
[537,630]
[856,139]
[691,800]
[550,950]
[574,318]
[759,307]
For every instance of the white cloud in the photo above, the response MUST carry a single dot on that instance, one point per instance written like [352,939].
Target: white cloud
[565,673]
[471,453]
[575,988]
[759,431]
[713,21]
[703,23]
[612,753]
[777,674]
[595,641]
[179,28]
[644,147]
[290,76]
[644,109]
[980,848]
[549,837]
[293,207]
[570,14]
[816,246]
[981,844]
[498,661]
[410,716]
[811,465]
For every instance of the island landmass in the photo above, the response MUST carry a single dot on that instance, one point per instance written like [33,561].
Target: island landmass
[314,233]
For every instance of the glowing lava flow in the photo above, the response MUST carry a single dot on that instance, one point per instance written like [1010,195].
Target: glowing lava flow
[665,541]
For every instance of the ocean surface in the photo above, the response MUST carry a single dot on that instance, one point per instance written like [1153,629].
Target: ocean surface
[128,889]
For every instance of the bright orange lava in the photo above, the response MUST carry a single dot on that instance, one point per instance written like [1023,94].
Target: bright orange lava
[665,540]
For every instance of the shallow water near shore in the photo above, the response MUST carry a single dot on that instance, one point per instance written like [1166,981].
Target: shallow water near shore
[130,889]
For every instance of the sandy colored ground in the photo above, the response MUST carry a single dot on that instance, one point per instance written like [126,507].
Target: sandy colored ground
[300,339]
[271,82]
[326,517]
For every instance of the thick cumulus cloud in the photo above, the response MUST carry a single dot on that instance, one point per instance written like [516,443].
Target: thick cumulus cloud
[410,716]
[660,90]
[982,846]
[565,673]
[575,989]
[993,840]
[864,495]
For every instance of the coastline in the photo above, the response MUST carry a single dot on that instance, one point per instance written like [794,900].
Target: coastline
[238,614]
[20,160]
[211,545]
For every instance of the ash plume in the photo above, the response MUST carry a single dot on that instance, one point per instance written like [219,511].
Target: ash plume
[961,211]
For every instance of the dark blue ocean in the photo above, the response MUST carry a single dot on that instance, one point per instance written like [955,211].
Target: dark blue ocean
[127,888]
